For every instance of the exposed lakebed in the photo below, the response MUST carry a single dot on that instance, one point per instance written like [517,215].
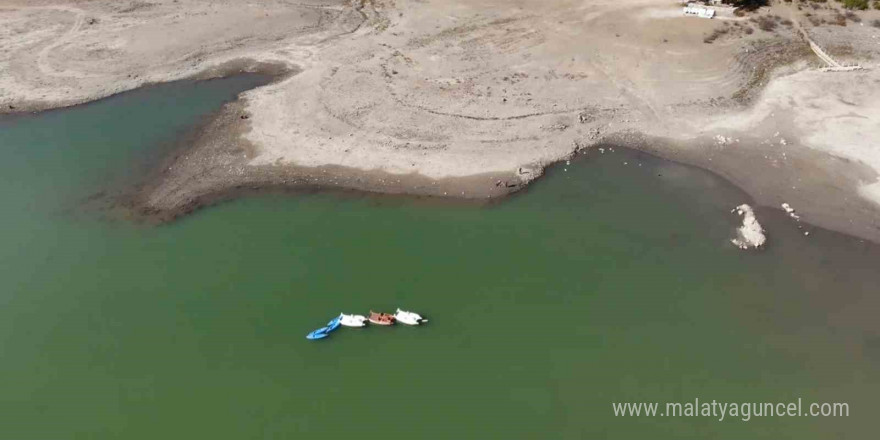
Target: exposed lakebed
[611,279]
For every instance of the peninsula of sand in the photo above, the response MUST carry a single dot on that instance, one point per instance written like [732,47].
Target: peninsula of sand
[473,98]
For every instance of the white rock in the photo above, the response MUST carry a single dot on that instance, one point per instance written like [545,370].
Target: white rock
[788,209]
[721,140]
[750,234]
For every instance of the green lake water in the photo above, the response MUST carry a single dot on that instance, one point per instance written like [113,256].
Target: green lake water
[609,280]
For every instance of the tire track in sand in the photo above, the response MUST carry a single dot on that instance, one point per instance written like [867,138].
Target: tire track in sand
[43,56]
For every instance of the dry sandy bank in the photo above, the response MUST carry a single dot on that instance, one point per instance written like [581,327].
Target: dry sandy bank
[470,98]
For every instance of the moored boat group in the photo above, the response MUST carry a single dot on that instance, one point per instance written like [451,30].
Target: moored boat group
[402,316]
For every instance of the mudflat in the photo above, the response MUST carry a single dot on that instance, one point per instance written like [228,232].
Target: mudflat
[474,98]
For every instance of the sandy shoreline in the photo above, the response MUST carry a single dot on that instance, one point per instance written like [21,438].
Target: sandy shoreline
[469,100]
[825,200]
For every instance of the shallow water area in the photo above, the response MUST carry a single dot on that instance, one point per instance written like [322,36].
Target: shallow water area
[612,279]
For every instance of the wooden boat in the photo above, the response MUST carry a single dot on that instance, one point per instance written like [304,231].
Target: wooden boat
[381,318]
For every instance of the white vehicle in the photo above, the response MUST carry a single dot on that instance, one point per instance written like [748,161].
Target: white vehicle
[409,318]
[352,320]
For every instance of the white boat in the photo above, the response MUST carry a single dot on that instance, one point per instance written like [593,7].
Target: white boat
[352,320]
[409,318]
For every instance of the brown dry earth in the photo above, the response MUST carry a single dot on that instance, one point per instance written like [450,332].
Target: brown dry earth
[470,98]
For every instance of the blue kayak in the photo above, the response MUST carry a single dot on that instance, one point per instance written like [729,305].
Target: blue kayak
[323,332]
[333,324]
[320,333]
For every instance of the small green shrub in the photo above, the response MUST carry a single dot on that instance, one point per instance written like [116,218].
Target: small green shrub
[855,4]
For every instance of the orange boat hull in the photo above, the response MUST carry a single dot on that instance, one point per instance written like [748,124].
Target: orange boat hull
[381,318]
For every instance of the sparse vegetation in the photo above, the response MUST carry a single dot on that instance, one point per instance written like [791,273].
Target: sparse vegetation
[762,57]
[839,20]
[876,23]
[749,5]
[855,4]
[853,17]
[714,35]
[765,23]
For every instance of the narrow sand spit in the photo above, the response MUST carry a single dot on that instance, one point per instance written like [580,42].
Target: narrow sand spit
[466,98]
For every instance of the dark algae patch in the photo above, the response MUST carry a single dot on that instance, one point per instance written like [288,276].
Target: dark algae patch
[611,279]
